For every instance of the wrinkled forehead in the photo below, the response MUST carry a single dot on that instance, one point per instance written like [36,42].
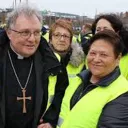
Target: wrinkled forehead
[24,21]
[61,30]
[102,45]
[24,18]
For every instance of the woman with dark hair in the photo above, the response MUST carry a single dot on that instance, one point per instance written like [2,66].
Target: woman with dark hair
[113,22]
[101,100]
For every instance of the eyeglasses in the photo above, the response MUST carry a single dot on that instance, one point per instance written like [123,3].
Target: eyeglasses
[59,36]
[26,34]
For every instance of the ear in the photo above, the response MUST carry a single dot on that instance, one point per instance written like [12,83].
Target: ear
[50,41]
[118,58]
[8,33]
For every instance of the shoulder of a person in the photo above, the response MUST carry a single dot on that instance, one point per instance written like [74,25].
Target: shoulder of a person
[121,101]
[117,107]
[4,40]
[115,113]
[43,40]
[84,73]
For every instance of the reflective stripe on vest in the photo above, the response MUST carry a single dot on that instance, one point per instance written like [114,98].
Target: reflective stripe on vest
[88,36]
[86,112]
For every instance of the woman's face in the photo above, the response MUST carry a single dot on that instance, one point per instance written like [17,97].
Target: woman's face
[103,24]
[101,59]
[61,39]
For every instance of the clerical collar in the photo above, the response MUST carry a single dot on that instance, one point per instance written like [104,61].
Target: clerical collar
[18,55]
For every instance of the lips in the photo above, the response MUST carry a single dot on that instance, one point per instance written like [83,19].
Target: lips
[30,46]
[62,44]
[96,66]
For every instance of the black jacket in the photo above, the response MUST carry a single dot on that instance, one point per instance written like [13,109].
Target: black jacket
[55,68]
[115,113]
[45,64]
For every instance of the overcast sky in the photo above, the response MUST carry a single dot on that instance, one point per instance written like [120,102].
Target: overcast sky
[81,7]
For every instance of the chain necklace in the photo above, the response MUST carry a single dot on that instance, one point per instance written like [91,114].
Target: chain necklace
[24,98]
[17,75]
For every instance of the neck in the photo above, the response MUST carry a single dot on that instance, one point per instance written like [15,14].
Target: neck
[61,53]
[94,79]
[18,55]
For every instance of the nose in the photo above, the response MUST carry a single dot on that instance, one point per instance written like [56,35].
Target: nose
[102,29]
[96,58]
[62,37]
[32,37]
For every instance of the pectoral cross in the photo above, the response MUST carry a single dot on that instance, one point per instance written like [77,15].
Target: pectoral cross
[24,98]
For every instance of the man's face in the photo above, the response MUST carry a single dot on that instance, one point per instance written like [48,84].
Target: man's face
[61,39]
[24,35]
[101,58]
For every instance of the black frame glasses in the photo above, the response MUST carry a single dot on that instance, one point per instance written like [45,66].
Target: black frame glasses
[59,36]
[27,34]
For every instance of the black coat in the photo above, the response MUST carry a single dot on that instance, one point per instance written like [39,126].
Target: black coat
[55,68]
[45,64]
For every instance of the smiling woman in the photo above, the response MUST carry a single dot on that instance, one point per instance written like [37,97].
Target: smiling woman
[103,56]
[114,23]
[100,98]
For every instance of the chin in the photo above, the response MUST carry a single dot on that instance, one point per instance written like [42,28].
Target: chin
[61,50]
[28,54]
[96,72]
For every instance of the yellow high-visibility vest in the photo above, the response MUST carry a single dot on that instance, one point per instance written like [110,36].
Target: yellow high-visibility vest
[124,66]
[86,112]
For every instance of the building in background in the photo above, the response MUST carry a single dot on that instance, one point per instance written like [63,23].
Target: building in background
[49,17]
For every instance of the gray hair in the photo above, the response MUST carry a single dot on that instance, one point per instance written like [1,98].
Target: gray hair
[25,9]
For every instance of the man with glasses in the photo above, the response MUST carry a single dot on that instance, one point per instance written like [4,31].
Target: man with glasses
[23,89]
[26,34]
[71,58]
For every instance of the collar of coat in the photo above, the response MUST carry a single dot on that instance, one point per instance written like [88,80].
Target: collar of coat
[105,81]
[77,57]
